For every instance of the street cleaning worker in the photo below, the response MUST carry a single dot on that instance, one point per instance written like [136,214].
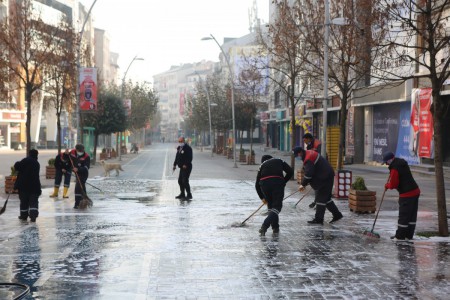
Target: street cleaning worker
[183,159]
[270,183]
[63,167]
[400,178]
[81,163]
[29,185]
[320,175]
[312,144]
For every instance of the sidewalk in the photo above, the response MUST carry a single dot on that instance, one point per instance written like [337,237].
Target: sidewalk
[139,242]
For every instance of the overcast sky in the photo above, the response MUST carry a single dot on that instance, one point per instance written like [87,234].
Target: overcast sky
[169,32]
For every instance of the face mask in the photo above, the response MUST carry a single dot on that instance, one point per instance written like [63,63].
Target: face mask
[79,153]
[181,144]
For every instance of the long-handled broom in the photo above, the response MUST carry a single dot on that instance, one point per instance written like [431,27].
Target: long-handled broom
[371,233]
[295,205]
[6,202]
[243,222]
[86,201]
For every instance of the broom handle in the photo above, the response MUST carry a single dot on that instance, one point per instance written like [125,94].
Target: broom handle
[78,178]
[302,197]
[378,211]
[253,213]
[381,203]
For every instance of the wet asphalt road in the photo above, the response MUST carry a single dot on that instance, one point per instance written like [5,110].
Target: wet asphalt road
[138,242]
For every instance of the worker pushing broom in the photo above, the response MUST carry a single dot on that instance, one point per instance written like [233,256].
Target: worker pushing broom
[400,178]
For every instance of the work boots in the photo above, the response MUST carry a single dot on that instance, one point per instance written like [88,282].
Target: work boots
[180,196]
[66,190]
[55,192]
[263,230]
[337,215]
[275,231]
[189,196]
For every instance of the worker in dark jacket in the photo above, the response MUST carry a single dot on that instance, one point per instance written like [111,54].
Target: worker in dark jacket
[29,185]
[270,183]
[63,167]
[320,175]
[183,160]
[81,162]
[312,144]
[400,178]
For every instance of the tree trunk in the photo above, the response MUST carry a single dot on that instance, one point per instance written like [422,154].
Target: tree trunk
[58,131]
[438,164]
[94,154]
[28,95]
[251,136]
[342,127]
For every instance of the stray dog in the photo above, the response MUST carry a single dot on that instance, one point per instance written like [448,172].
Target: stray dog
[108,167]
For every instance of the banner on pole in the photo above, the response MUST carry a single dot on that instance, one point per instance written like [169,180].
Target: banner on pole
[88,89]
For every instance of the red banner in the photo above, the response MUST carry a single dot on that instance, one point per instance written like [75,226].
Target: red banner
[88,89]
[426,131]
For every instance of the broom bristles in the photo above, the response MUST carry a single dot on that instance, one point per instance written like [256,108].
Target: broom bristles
[371,234]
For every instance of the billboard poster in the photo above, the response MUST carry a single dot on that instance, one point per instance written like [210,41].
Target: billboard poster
[88,89]
[403,142]
[422,124]
[350,135]
[385,129]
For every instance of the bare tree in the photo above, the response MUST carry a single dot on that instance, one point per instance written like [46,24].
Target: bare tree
[250,84]
[281,44]
[352,50]
[419,41]
[62,77]
[30,44]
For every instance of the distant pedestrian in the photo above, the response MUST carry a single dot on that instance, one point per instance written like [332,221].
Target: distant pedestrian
[312,143]
[183,160]
[400,178]
[270,183]
[63,167]
[29,185]
[315,145]
[320,175]
[81,163]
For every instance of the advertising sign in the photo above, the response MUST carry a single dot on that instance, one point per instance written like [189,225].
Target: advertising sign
[385,129]
[422,123]
[88,89]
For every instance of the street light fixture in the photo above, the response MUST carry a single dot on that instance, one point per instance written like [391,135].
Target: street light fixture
[121,96]
[211,37]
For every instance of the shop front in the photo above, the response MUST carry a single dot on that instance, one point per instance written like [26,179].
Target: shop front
[12,125]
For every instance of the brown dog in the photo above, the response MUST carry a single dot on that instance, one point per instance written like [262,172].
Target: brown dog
[108,167]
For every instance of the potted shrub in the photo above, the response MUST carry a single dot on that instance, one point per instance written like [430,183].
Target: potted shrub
[251,158]
[360,199]
[113,153]
[50,170]
[10,180]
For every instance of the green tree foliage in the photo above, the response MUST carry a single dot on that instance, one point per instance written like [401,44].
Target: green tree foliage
[144,103]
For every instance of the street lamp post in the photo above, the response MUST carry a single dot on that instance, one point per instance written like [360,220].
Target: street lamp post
[78,72]
[325,79]
[122,92]
[232,93]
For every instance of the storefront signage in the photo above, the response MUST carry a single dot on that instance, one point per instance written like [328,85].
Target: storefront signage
[13,117]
